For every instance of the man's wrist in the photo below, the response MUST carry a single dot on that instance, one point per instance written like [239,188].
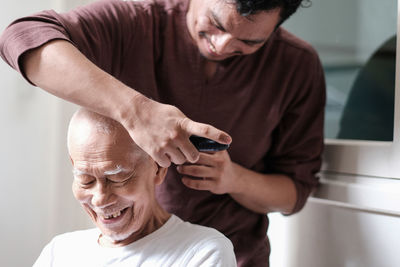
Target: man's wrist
[130,106]
[238,186]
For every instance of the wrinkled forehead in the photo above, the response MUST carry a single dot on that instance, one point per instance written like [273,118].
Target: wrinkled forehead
[89,133]
[105,147]
[96,146]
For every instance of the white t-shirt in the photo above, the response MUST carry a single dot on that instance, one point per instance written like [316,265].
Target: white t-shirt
[176,243]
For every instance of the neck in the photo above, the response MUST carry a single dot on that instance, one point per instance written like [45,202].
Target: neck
[157,219]
[210,67]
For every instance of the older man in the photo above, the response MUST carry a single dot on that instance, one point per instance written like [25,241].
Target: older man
[114,180]
[160,67]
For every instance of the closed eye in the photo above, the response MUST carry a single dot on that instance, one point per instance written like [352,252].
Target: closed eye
[216,22]
[86,184]
[84,179]
[252,43]
[120,181]
[219,27]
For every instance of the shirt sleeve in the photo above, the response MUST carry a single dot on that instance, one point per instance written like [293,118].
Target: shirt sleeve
[298,139]
[102,31]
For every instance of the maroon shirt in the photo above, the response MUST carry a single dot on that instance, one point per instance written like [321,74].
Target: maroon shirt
[270,102]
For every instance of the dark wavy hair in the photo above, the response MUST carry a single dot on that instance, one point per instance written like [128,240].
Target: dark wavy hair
[288,7]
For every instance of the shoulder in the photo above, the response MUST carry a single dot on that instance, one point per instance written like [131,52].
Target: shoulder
[292,55]
[212,249]
[206,243]
[195,230]
[286,51]
[127,7]
[143,13]
[288,41]
[153,5]
[69,249]
[177,5]
[75,239]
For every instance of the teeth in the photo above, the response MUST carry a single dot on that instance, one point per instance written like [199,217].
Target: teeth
[115,215]
[213,48]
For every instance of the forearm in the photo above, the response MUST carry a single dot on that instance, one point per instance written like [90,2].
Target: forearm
[161,130]
[59,68]
[263,193]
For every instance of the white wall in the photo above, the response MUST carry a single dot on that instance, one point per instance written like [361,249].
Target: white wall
[325,236]
[35,193]
[351,221]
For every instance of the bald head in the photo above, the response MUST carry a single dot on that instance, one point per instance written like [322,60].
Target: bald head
[88,129]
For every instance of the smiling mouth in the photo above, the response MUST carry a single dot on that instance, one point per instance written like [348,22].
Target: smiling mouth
[114,216]
[211,47]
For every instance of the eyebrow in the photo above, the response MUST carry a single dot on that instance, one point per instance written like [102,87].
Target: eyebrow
[77,172]
[217,20]
[117,170]
[220,26]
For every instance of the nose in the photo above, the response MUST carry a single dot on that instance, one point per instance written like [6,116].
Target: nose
[102,196]
[224,44]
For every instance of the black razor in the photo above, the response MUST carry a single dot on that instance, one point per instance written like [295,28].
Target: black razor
[206,145]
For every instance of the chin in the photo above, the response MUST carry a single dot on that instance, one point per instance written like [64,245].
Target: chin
[117,237]
[209,57]
[216,59]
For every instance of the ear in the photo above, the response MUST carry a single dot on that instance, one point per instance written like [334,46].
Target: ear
[160,174]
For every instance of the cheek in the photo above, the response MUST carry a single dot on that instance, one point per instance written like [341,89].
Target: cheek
[203,24]
[138,192]
[79,193]
[127,192]
[134,194]
[249,50]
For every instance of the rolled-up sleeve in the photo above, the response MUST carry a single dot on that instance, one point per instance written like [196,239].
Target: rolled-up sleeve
[298,140]
[102,31]
[28,33]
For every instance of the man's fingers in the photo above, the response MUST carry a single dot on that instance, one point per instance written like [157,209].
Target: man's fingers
[205,130]
[205,184]
[176,156]
[165,157]
[162,159]
[195,170]
[189,151]
[211,159]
